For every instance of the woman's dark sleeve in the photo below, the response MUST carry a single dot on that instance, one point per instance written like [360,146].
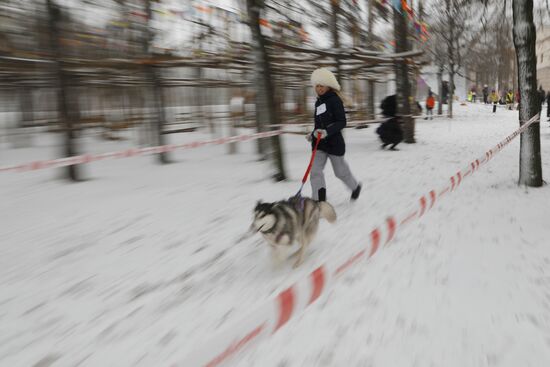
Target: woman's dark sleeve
[339,117]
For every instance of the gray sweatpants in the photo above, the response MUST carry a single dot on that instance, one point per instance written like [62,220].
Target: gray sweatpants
[340,168]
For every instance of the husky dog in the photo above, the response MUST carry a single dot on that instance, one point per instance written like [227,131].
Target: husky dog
[294,220]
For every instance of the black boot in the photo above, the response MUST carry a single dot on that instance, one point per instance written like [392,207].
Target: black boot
[322,192]
[355,193]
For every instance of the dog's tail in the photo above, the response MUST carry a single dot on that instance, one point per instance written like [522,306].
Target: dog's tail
[327,211]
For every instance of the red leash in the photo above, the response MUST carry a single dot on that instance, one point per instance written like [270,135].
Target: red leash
[299,193]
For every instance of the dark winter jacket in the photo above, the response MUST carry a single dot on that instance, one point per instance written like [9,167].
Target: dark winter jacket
[390,131]
[330,115]
[389,106]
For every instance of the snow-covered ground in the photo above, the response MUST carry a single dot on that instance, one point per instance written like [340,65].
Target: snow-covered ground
[137,264]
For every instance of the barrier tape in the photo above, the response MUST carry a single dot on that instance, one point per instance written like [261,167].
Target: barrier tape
[132,152]
[365,122]
[276,312]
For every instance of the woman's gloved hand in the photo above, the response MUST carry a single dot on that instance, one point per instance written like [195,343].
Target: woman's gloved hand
[323,133]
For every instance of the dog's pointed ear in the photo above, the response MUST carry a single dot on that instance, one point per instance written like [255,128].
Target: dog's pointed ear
[258,203]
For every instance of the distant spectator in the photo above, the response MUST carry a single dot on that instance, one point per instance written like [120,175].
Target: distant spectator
[430,104]
[494,98]
[418,108]
[510,99]
[444,91]
[485,94]
[542,96]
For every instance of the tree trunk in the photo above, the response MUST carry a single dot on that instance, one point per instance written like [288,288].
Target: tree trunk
[335,5]
[514,75]
[154,80]
[451,96]
[530,168]
[450,50]
[202,101]
[266,103]
[403,87]
[371,112]
[158,100]
[21,133]
[64,105]
[500,61]
[440,90]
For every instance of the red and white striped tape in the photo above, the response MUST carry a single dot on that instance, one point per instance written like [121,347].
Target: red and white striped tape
[132,152]
[275,313]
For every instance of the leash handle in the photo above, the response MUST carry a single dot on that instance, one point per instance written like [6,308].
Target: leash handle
[311,160]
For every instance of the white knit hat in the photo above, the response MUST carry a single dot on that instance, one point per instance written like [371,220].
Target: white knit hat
[325,78]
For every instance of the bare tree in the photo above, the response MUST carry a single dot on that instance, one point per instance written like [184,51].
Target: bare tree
[340,17]
[266,109]
[335,34]
[66,108]
[440,59]
[489,45]
[370,83]
[530,168]
[451,13]
[455,39]
[403,86]
[452,37]
[153,77]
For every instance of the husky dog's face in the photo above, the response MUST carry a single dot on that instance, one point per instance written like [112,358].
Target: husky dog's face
[263,216]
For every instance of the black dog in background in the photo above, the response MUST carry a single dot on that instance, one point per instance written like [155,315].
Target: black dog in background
[390,130]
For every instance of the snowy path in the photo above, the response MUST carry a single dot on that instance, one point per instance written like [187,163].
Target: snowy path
[136,265]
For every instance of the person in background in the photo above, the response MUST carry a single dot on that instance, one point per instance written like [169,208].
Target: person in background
[390,130]
[444,91]
[485,94]
[542,97]
[418,108]
[510,99]
[330,120]
[494,98]
[430,104]
[502,96]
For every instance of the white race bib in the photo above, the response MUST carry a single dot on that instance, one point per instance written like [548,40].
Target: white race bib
[321,109]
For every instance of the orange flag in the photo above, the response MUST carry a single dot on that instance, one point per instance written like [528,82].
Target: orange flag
[265,23]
